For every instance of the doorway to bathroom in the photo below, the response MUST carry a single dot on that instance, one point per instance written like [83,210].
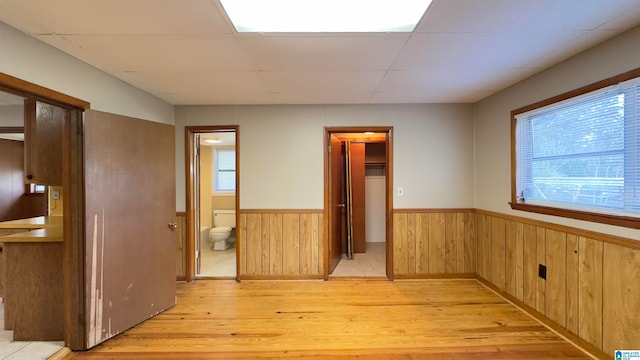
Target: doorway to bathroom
[212,198]
[358,203]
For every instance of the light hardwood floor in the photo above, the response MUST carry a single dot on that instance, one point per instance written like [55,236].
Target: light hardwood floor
[403,319]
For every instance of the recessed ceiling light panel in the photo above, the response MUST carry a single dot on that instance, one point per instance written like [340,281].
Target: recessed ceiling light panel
[299,16]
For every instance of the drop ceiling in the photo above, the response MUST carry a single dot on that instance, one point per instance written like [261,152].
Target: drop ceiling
[186,52]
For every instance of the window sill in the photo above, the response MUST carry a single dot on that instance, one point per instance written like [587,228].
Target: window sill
[624,221]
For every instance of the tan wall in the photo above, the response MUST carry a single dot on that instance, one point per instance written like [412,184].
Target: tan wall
[428,242]
[281,243]
[591,288]
[206,184]
[224,202]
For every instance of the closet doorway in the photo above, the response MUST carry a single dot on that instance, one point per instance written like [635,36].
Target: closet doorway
[212,200]
[358,202]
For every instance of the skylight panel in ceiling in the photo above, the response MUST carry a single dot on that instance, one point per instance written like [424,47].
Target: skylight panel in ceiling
[317,16]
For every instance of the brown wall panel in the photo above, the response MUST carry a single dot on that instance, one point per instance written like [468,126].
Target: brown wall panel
[291,244]
[530,261]
[510,257]
[411,244]
[400,243]
[437,241]
[498,252]
[460,237]
[621,298]
[433,242]
[422,243]
[451,243]
[541,259]
[590,290]
[573,283]
[471,243]
[281,243]
[275,244]
[181,237]
[556,254]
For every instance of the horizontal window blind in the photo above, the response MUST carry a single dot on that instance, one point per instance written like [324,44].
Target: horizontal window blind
[582,153]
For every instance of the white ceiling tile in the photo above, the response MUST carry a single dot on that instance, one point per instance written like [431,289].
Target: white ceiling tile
[324,82]
[120,16]
[214,85]
[480,50]
[163,52]
[323,52]
[520,15]
[186,52]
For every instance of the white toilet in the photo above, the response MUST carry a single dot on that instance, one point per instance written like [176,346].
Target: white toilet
[223,221]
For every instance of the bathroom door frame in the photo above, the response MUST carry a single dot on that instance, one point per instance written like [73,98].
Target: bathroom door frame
[191,183]
[329,212]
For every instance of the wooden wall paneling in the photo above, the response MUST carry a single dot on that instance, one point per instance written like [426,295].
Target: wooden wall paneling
[291,244]
[241,232]
[451,242]
[510,257]
[480,245]
[621,298]
[573,283]
[470,240]
[422,243]
[530,261]
[254,244]
[400,265]
[590,290]
[266,244]
[181,266]
[486,247]
[541,258]
[498,252]
[519,260]
[305,244]
[322,243]
[411,243]
[437,233]
[316,243]
[275,244]
[555,286]
[460,242]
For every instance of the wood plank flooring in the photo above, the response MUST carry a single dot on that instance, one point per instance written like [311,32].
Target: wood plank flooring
[403,319]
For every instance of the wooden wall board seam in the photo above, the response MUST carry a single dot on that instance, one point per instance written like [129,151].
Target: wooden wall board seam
[618,240]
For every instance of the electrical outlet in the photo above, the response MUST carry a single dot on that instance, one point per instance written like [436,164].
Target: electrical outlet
[56,194]
[400,191]
[542,271]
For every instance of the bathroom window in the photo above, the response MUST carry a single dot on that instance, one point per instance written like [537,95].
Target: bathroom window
[224,167]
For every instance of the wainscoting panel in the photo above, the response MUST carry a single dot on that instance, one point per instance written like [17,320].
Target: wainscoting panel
[281,244]
[591,289]
[181,246]
[433,242]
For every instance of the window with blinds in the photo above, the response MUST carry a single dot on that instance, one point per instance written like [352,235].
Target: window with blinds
[224,165]
[582,153]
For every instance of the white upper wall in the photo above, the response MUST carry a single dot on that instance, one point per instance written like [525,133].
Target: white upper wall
[492,122]
[32,60]
[282,158]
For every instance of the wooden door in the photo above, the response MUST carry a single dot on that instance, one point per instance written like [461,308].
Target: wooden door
[337,205]
[43,124]
[130,271]
[357,160]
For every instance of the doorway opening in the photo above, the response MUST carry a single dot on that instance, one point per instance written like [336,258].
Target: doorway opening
[358,203]
[212,201]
